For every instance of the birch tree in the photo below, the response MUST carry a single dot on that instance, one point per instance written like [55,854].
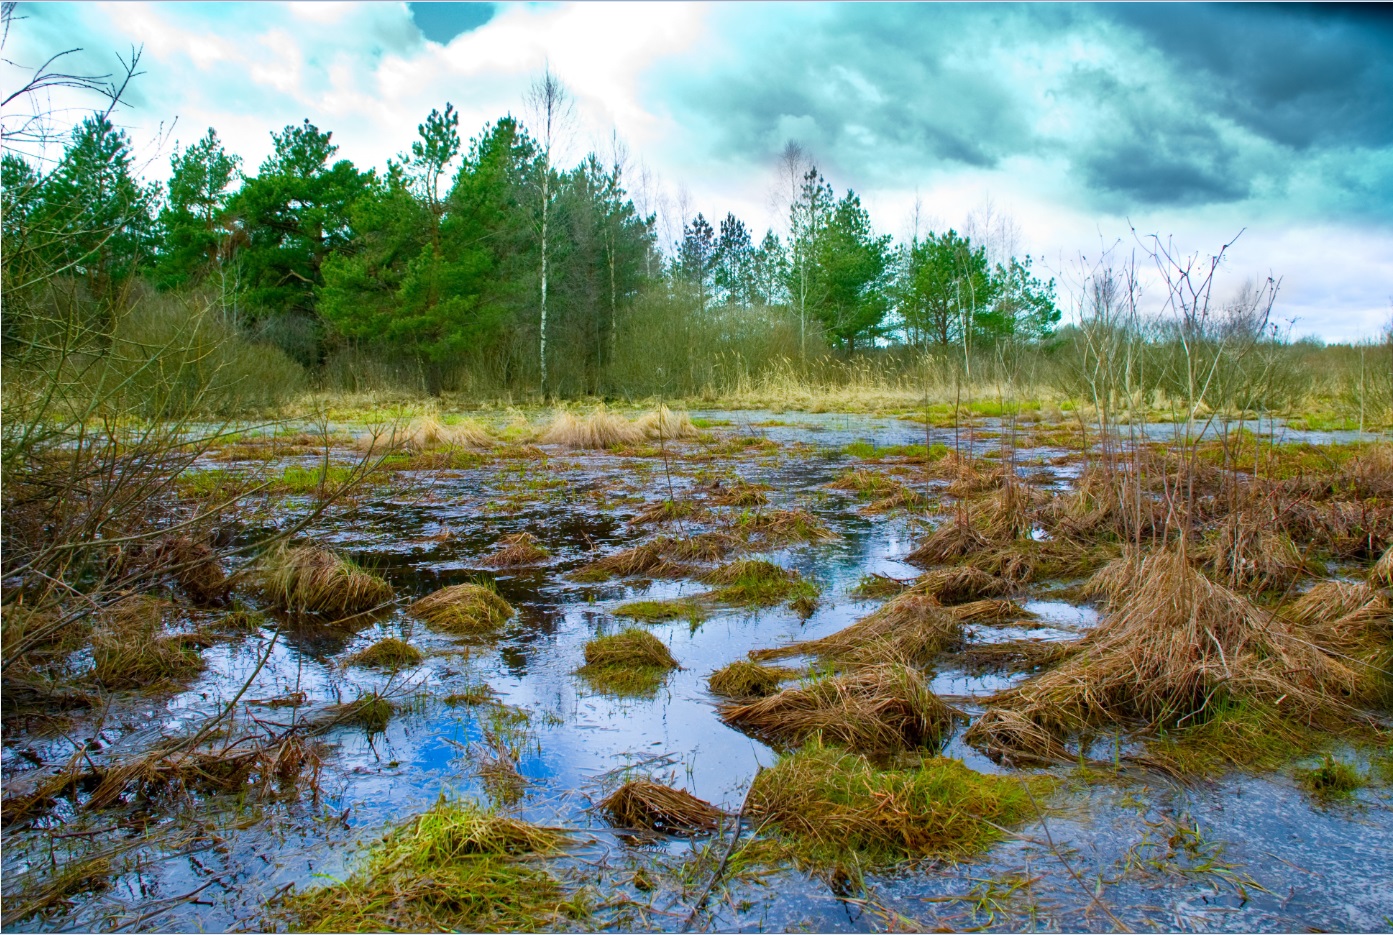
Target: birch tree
[552,111]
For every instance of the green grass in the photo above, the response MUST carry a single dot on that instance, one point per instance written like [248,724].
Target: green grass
[389,653]
[758,583]
[1332,779]
[659,611]
[1236,735]
[456,867]
[837,808]
[631,662]
[868,451]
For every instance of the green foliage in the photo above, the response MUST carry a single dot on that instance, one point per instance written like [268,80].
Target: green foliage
[193,221]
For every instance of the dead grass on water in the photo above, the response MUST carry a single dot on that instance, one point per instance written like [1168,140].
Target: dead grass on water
[1023,655]
[841,810]
[911,629]
[465,609]
[649,560]
[647,805]
[949,544]
[456,867]
[1248,555]
[657,611]
[877,710]
[306,579]
[782,527]
[737,493]
[132,650]
[515,551]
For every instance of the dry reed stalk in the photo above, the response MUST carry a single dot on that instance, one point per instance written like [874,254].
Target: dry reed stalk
[912,629]
[959,585]
[464,608]
[644,804]
[877,709]
[517,550]
[314,580]
[1179,643]
[948,544]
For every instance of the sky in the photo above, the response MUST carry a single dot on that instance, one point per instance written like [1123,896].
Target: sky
[1076,125]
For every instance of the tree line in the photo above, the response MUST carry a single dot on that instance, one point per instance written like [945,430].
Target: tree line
[486,254]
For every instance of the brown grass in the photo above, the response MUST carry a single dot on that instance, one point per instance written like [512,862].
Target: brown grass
[1246,554]
[948,544]
[649,560]
[911,629]
[745,679]
[425,433]
[600,429]
[389,653]
[1017,655]
[988,610]
[643,804]
[130,648]
[464,609]
[630,662]
[517,550]
[784,526]
[1381,575]
[737,493]
[314,580]
[1330,600]
[1179,644]
[876,709]
[664,424]
[959,585]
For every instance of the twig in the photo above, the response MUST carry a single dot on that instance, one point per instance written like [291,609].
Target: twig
[725,858]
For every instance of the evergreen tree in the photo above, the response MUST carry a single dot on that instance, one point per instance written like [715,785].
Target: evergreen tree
[849,280]
[192,222]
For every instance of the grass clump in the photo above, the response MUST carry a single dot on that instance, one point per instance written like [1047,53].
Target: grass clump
[465,609]
[757,583]
[948,544]
[425,433]
[314,580]
[744,679]
[456,867]
[131,650]
[960,585]
[644,804]
[875,709]
[389,653]
[837,807]
[649,560]
[877,586]
[658,611]
[1332,779]
[1180,645]
[630,662]
[515,551]
[778,527]
[911,629]
[738,493]
[370,711]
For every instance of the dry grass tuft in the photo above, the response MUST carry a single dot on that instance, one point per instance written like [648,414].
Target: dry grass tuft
[1114,582]
[464,608]
[1381,575]
[840,808]
[737,493]
[1248,555]
[601,429]
[1329,600]
[649,560]
[389,653]
[313,580]
[877,585]
[959,585]
[1017,655]
[745,679]
[130,648]
[877,709]
[778,527]
[1181,644]
[911,629]
[668,511]
[988,610]
[664,424]
[517,550]
[426,433]
[948,544]
[641,803]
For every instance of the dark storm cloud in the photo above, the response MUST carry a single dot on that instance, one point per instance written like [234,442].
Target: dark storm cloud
[1143,104]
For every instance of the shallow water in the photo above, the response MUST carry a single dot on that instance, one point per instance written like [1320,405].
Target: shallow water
[1275,860]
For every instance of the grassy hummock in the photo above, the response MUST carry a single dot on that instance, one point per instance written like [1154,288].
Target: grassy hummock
[456,867]
[658,611]
[831,806]
[1332,779]
[757,583]
[630,662]
[642,803]
[464,608]
[314,580]
[389,653]
[878,710]
[912,628]
[744,679]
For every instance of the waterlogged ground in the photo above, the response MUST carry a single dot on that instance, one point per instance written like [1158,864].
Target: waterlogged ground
[1135,850]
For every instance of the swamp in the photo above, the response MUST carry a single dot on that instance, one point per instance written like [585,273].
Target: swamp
[454,530]
[504,683]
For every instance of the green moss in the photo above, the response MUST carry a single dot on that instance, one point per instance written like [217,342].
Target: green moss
[456,867]
[834,807]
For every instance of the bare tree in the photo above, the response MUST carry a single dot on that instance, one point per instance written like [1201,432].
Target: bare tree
[552,110]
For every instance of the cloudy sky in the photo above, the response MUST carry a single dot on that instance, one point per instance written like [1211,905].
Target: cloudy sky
[1078,123]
